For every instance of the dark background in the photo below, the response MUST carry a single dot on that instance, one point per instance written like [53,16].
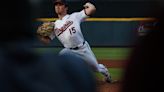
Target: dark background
[111,33]
[105,8]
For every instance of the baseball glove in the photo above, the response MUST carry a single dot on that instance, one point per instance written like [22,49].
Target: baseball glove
[45,29]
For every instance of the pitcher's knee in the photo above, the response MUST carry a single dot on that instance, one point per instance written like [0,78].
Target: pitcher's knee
[102,69]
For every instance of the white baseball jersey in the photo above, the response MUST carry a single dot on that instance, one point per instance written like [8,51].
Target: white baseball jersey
[68,30]
[69,33]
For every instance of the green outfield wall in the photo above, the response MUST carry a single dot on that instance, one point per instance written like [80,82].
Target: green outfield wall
[106,33]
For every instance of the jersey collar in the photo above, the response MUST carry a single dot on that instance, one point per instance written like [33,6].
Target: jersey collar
[65,17]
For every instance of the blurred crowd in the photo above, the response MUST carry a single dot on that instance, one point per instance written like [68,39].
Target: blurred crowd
[24,70]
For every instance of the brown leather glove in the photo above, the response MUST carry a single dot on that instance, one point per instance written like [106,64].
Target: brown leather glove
[46,29]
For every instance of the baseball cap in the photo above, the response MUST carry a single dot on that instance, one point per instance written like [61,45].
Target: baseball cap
[60,2]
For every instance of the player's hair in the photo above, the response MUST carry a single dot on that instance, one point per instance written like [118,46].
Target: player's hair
[60,1]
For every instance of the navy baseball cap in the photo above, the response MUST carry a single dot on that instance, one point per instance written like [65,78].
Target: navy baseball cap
[60,2]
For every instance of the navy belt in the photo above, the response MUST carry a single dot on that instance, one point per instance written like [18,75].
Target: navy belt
[76,48]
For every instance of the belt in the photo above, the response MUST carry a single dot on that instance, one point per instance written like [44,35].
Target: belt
[76,48]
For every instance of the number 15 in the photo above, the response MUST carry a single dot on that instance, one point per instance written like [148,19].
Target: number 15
[72,30]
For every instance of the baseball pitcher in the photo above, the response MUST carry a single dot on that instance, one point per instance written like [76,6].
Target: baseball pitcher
[67,30]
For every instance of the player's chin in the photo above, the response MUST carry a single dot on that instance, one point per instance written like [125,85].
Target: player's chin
[59,12]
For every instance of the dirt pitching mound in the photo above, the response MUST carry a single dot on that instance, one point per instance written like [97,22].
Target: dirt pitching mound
[103,86]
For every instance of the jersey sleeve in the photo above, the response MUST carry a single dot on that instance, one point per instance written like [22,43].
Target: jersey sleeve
[81,16]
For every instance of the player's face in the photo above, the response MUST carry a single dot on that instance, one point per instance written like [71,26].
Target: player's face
[60,8]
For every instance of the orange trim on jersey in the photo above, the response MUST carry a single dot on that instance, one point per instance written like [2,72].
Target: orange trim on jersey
[64,27]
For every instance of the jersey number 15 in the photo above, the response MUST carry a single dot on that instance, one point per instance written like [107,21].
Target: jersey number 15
[72,30]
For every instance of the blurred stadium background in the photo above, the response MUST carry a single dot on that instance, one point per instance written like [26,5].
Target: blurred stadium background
[112,31]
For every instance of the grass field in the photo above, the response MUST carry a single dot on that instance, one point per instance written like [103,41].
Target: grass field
[116,73]
[102,54]
[115,54]
[112,53]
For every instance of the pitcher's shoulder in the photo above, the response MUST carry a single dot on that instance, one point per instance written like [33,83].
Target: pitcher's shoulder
[56,22]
